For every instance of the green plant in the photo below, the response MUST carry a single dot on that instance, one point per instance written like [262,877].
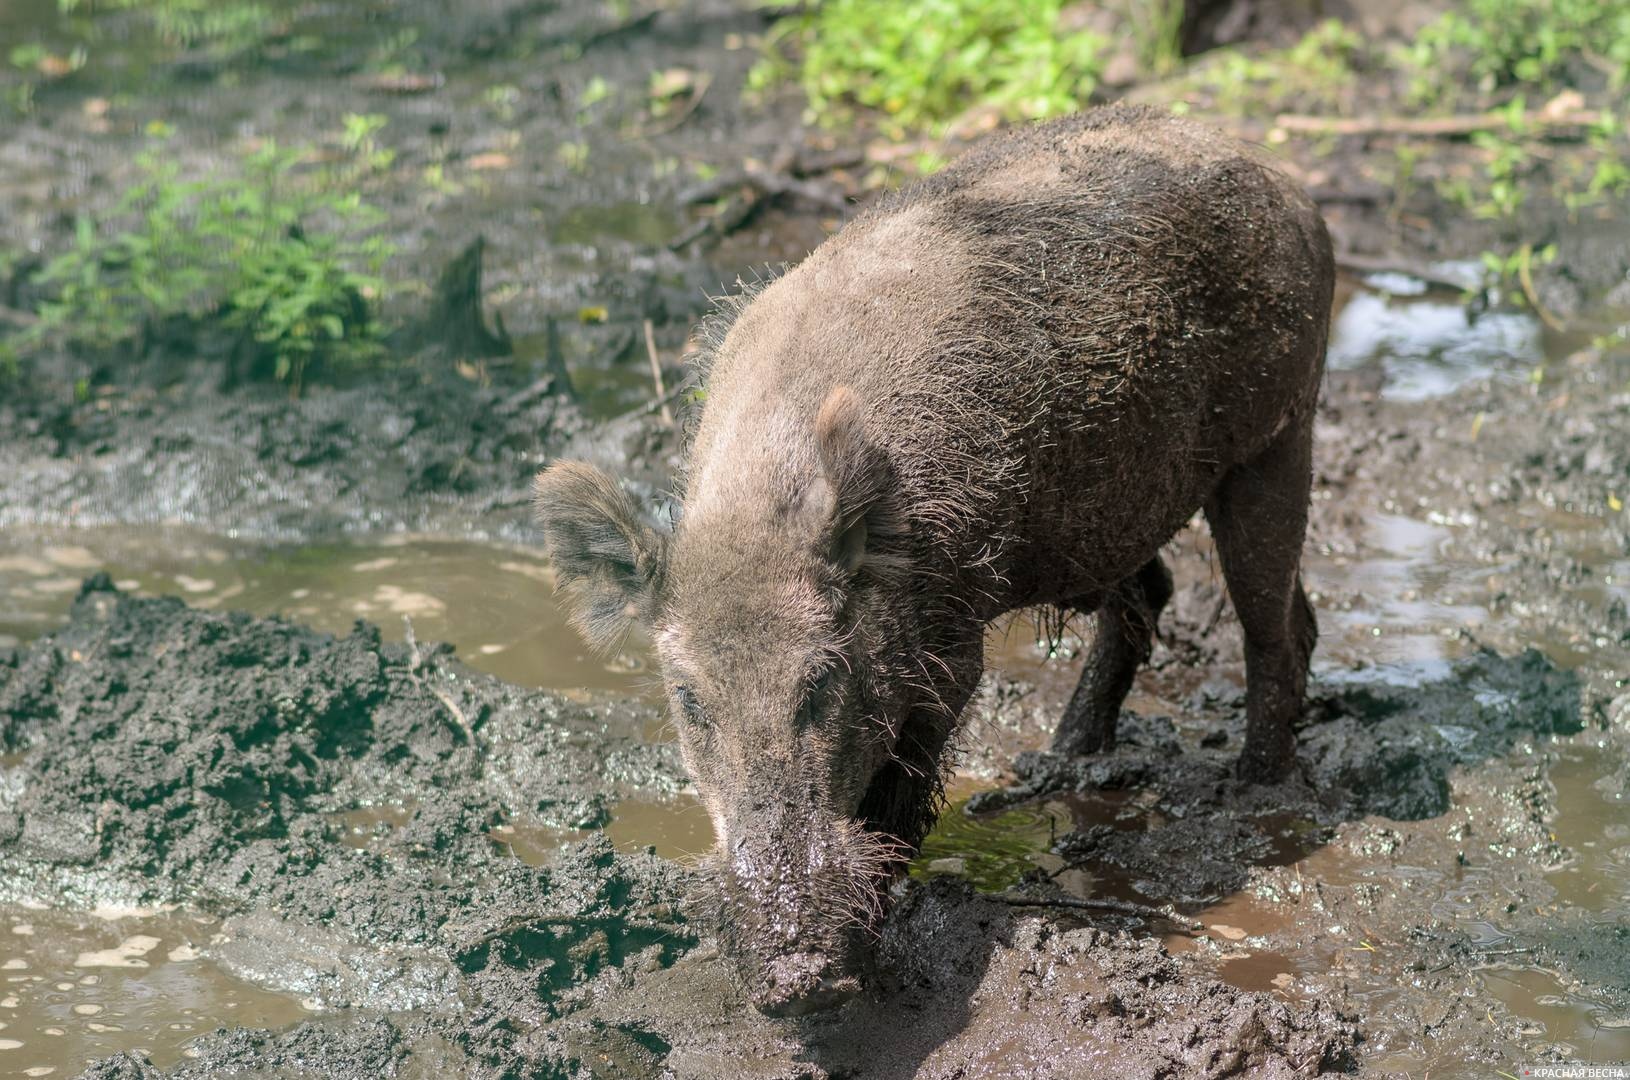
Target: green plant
[234,24]
[1512,273]
[1317,71]
[1405,160]
[1507,161]
[1502,43]
[1157,27]
[1607,163]
[276,256]
[357,136]
[923,64]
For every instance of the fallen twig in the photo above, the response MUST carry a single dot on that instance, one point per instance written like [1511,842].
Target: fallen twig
[656,374]
[1380,264]
[1120,907]
[736,210]
[680,115]
[441,695]
[1550,125]
[1526,277]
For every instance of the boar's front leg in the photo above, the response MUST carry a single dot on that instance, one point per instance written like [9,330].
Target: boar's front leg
[1122,642]
[905,796]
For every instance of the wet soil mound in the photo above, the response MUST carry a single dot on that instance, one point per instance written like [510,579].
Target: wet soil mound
[180,756]
[408,450]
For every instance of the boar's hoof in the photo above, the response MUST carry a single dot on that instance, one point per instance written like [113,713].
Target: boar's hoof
[801,984]
[1271,766]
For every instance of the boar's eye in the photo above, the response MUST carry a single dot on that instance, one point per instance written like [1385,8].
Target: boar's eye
[815,691]
[689,706]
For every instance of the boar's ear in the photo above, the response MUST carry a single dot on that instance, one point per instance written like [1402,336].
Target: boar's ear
[854,473]
[608,562]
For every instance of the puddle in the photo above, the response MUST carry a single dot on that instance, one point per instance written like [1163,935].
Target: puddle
[994,851]
[1263,972]
[1594,1035]
[678,829]
[75,987]
[1426,346]
[1593,821]
[364,827]
[495,603]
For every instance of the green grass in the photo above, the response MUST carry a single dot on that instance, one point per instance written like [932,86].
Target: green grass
[1315,73]
[922,64]
[286,258]
[1499,44]
[232,24]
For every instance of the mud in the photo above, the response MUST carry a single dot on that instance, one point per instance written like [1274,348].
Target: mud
[1431,893]
[415,868]
[172,756]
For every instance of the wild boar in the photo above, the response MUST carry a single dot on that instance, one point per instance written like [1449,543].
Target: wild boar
[1005,386]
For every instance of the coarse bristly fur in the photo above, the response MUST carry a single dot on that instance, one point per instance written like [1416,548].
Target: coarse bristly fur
[1002,387]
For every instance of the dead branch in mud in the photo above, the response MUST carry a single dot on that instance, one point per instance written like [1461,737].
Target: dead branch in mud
[1547,125]
[441,695]
[1379,264]
[656,374]
[1120,907]
[789,173]
[677,119]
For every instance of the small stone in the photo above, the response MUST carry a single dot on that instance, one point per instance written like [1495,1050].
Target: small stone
[955,864]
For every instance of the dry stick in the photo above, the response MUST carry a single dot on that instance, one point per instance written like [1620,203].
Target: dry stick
[1372,264]
[1549,125]
[737,209]
[656,374]
[673,122]
[1120,907]
[1526,277]
[441,695]
[661,404]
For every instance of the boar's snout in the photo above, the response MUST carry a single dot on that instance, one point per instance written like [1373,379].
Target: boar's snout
[796,899]
[801,984]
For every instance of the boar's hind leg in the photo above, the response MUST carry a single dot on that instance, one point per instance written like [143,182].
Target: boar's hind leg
[1258,516]
[1124,637]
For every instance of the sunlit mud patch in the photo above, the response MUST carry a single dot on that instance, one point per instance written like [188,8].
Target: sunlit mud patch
[77,986]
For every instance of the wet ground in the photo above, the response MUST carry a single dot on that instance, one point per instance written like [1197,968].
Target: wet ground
[1449,882]
[242,835]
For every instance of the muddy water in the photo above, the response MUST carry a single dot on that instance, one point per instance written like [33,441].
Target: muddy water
[1426,344]
[496,604]
[78,986]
